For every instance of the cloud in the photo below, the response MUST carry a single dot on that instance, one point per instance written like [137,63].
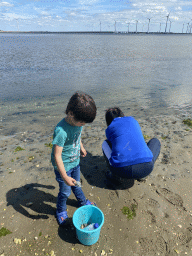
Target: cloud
[13,16]
[178,8]
[6,4]
[44,13]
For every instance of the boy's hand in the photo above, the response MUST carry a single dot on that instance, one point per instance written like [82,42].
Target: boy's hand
[70,181]
[83,152]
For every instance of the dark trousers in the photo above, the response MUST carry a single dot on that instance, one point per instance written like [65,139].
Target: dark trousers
[137,171]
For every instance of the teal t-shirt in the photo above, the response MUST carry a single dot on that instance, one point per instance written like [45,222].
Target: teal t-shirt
[68,137]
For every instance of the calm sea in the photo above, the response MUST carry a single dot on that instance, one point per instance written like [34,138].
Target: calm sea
[38,71]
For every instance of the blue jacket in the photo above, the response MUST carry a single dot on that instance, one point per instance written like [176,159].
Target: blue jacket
[128,144]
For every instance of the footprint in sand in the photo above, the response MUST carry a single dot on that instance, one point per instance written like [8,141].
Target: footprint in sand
[148,216]
[184,238]
[113,195]
[161,246]
[152,203]
[147,244]
[171,197]
[154,247]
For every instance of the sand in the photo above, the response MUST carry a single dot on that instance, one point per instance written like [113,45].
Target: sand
[163,221]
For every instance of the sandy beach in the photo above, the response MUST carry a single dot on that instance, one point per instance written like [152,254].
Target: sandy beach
[161,225]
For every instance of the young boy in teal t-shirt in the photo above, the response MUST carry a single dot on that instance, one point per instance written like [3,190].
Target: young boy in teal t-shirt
[67,147]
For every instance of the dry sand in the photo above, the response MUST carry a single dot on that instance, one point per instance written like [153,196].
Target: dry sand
[163,221]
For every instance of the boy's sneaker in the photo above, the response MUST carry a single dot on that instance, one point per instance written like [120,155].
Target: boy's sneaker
[90,203]
[87,203]
[61,217]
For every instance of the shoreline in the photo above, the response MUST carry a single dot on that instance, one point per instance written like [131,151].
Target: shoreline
[95,32]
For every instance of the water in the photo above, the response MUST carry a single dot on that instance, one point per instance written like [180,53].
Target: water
[39,72]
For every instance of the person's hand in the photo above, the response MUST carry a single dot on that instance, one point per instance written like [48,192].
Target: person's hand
[83,152]
[69,181]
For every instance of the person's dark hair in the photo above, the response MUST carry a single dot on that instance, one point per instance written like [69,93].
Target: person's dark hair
[82,106]
[112,113]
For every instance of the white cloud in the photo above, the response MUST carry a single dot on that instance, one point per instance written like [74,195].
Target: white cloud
[6,4]
[44,13]
[178,8]
[12,16]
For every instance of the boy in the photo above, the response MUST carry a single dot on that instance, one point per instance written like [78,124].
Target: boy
[127,154]
[67,147]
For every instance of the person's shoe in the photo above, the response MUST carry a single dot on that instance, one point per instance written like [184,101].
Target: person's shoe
[61,217]
[142,180]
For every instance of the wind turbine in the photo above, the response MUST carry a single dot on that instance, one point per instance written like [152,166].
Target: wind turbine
[183,27]
[187,27]
[136,25]
[128,27]
[143,27]
[148,24]
[115,27]
[160,28]
[170,26]
[17,24]
[100,26]
[166,22]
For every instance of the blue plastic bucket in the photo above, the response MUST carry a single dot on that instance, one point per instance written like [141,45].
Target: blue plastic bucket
[88,214]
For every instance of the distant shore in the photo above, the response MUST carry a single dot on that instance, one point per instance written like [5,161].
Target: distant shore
[94,32]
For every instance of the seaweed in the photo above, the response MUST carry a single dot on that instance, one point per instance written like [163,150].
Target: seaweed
[49,145]
[18,149]
[130,212]
[146,137]
[4,232]
[31,158]
[188,122]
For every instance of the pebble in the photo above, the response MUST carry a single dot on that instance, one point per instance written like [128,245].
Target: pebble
[17,241]
[29,204]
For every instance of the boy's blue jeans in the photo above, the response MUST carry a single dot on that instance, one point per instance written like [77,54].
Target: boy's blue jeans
[65,190]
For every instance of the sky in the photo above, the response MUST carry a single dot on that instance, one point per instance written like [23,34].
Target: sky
[96,15]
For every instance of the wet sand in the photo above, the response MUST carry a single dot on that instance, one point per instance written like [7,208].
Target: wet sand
[163,221]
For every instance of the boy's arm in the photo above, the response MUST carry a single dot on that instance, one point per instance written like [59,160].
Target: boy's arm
[82,150]
[57,154]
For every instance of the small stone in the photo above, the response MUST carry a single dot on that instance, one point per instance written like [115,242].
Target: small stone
[17,241]
[36,238]
[52,253]
[29,204]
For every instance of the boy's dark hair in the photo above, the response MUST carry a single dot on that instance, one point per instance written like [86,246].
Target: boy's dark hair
[82,106]
[112,113]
